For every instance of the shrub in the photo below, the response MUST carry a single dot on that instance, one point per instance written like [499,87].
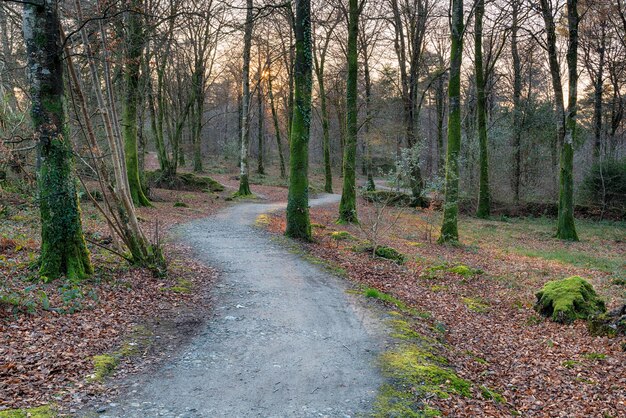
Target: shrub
[605,184]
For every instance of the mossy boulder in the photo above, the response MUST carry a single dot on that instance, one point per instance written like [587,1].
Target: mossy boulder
[569,299]
[390,254]
[183,181]
[610,324]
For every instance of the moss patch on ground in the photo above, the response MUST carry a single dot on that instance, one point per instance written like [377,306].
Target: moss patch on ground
[104,365]
[45,411]
[342,236]
[476,304]
[569,299]
[390,254]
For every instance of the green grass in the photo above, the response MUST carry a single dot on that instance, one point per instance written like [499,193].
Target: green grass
[574,258]
[373,293]
[45,411]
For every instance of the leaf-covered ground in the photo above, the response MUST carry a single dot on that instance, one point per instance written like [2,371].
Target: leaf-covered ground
[484,311]
[50,332]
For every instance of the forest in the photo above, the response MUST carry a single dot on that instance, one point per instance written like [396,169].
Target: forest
[386,208]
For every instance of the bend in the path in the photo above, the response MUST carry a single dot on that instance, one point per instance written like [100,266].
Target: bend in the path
[286,339]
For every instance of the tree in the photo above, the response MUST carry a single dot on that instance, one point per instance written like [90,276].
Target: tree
[449,227]
[63,248]
[244,185]
[347,206]
[517,107]
[133,58]
[566,123]
[410,21]
[319,58]
[298,222]
[484,197]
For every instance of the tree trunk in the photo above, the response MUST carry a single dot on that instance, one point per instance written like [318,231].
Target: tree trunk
[347,206]
[566,124]
[244,170]
[566,228]
[298,222]
[260,133]
[484,197]
[133,58]
[63,248]
[597,108]
[279,144]
[517,107]
[449,227]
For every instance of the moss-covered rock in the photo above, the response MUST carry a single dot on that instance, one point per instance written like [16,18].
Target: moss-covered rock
[390,254]
[569,299]
[183,181]
[610,324]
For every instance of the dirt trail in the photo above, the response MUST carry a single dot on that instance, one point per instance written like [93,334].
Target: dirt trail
[286,340]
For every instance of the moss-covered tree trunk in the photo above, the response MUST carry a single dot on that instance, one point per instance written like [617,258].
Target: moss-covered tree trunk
[63,248]
[298,222]
[449,227]
[566,229]
[132,64]
[244,169]
[347,206]
[198,112]
[566,124]
[484,196]
[279,142]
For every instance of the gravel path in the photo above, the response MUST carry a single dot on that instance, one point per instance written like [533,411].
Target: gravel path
[286,339]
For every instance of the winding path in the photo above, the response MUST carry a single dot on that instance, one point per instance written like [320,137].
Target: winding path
[286,339]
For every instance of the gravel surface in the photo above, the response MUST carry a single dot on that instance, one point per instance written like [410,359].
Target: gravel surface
[286,340]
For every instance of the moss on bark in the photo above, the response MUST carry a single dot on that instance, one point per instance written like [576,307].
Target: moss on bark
[63,248]
[449,227]
[347,206]
[298,221]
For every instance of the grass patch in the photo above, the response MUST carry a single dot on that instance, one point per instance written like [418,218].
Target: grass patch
[183,286]
[574,258]
[373,293]
[491,394]
[595,356]
[458,269]
[570,364]
[180,205]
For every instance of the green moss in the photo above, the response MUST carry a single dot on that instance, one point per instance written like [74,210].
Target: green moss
[180,205]
[476,304]
[342,236]
[492,394]
[476,358]
[45,411]
[460,269]
[319,226]
[390,254]
[437,288]
[569,299]
[104,365]
[415,367]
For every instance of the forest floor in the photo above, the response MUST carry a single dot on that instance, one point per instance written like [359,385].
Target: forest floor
[58,340]
[477,300]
